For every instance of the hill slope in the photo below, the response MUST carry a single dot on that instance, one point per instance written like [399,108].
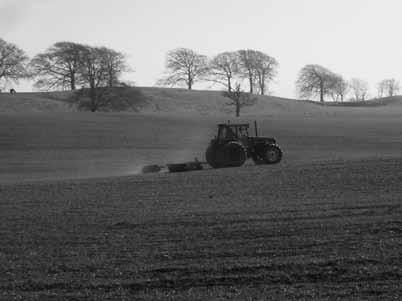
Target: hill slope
[211,103]
[36,102]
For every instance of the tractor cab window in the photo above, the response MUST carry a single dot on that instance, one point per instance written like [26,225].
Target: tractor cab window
[243,132]
[226,133]
[222,133]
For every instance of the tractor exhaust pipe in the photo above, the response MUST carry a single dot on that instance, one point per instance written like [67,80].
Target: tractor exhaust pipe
[255,127]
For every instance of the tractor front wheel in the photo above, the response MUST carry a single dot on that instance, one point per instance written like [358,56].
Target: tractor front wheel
[272,154]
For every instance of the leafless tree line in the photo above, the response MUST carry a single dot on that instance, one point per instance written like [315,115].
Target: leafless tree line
[388,87]
[315,80]
[227,68]
[67,65]
[318,81]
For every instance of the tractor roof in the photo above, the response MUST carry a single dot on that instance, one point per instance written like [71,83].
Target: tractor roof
[234,124]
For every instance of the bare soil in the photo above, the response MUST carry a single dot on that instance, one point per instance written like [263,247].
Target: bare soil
[321,231]
[78,223]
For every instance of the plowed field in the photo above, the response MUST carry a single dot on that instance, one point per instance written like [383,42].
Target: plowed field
[326,223]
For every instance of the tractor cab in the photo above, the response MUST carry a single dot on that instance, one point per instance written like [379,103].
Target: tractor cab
[227,132]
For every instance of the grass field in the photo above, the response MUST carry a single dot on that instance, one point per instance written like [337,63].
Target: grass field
[78,222]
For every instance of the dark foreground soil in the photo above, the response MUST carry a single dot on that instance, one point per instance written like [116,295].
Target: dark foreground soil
[314,231]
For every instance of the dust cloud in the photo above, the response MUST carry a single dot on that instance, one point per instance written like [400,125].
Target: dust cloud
[181,149]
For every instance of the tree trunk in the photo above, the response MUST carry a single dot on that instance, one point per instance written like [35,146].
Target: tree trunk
[237,109]
[92,96]
[190,79]
[93,99]
[321,91]
[251,81]
[110,79]
[72,82]
[229,85]
[251,84]
[261,82]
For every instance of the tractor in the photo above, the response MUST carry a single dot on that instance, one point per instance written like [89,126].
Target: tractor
[233,146]
[230,148]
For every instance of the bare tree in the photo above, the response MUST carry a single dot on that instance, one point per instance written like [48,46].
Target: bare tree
[239,99]
[265,70]
[58,66]
[223,68]
[389,86]
[359,88]
[184,65]
[115,64]
[315,80]
[258,68]
[247,67]
[12,62]
[339,88]
[380,89]
[100,70]
[392,86]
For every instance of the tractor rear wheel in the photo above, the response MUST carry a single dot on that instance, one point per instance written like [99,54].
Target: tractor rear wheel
[234,154]
[272,154]
[211,155]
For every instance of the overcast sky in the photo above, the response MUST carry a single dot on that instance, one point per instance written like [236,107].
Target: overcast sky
[355,38]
